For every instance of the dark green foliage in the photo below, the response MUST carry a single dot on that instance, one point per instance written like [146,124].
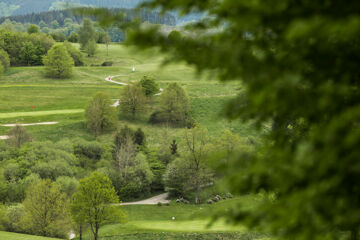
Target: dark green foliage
[122,136]
[58,36]
[88,153]
[139,137]
[33,29]
[25,49]
[134,178]
[107,64]
[173,147]
[150,85]
[158,169]
[30,54]
[284,55]
[73,37]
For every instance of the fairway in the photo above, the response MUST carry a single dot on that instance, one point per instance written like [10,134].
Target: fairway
[40,113]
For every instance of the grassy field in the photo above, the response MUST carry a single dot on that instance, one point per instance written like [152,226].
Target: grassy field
[26,96]
[17,236]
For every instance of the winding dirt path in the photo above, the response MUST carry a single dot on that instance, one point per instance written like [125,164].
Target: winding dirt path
[150,201]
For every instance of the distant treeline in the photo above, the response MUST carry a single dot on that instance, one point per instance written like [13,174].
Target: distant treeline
[60,16]
[21,7]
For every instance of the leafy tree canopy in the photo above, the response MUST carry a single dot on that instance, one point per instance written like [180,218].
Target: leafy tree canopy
[298,63]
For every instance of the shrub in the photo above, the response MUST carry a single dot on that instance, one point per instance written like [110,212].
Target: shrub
[150,85]
[4,59]
[107,64]
[75,54]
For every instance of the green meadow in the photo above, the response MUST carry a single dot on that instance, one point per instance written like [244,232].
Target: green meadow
[26,96]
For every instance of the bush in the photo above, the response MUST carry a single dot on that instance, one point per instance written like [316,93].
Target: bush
[75,54]
[107,64]
[100,115]
[73,37]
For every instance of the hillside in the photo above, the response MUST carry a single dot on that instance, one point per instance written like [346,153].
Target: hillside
[21,7]
[61,15]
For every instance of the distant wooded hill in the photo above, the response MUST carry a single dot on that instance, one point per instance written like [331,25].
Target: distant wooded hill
[60,16]
[22,7]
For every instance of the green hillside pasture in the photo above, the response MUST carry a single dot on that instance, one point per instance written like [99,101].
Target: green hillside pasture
[18,236]
[26,90]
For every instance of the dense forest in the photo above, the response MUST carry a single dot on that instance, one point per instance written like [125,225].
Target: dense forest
[20,7]
[60,16]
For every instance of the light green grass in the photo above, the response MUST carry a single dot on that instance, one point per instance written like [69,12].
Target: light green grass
[18,236]
[40,113]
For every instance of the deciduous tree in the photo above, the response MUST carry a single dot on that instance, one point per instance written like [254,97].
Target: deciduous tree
[99,114]
[18,136]
[46,210]
[94,203]
[58,63]
[133,100]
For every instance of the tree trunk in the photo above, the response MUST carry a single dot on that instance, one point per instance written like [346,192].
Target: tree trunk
[96,231]
[354,234]
[80,232]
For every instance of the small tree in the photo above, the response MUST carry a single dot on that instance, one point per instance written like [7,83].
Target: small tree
[18,136]
[46,210]
[86,33]
[90,48]
[150,85]
[99,114]
[133,100]
[107,40]
[73,37]
[28,54]
[174,106]
[197,142]
[93,204]
[139,137]
[4,59]
[58,63]
[33,29]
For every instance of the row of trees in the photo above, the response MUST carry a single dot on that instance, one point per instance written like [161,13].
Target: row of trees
[173,107]
[23,48]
